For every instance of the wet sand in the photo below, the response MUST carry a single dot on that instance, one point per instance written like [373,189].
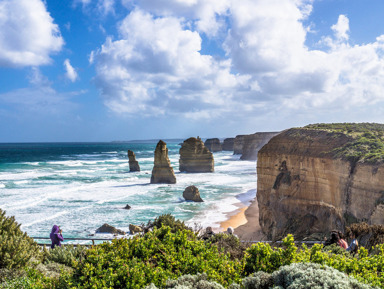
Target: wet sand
[245,222]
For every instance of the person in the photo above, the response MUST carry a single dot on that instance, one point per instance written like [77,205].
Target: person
[230,231]
[341,242]
[354,246]
[56,236]
[208,233]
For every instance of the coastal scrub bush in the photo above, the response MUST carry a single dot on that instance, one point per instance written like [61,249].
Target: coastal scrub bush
[229,244]
[262,257]
[199,281]
[309,276]
[153,258]
[64,255]
[167,220]
[16,247]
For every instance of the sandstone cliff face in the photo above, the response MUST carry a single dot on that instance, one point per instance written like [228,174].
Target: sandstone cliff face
[304,189]
[253,143]
[195,157]
[162,171]
[213,144]
[238,145]
[133,163]
[228,144]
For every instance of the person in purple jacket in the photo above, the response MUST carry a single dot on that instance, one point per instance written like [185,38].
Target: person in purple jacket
[56,236]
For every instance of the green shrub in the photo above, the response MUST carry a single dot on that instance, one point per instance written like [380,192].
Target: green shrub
[16,247]
[31,279]
[153,258]
[169,221]
[199,281]
[309,276]
[229,244]
[64,255]
[258,280]
[262,257]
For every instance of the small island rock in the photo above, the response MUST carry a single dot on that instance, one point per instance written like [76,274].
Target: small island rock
[133,229]
[192,193]
[109,229]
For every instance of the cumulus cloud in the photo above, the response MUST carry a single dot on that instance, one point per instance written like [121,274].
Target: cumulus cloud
[102,7]
[156,66]
[70,72]
[341,28]
[205,15]
[28,35]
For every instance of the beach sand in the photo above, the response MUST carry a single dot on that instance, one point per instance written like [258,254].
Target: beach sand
[245,222]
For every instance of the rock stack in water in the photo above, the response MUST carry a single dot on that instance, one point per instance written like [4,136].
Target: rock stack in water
[162,172]
[192,193]
[213,144]
[228,144]
[133,163]
[195,157]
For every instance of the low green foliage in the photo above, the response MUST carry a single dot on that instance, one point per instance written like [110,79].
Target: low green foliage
[229,244]
[169,221]
[157,256]
[66,255]
[199,281]
[367,140]
[16,247]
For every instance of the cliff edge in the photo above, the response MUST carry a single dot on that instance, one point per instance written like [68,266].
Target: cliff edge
[321,177]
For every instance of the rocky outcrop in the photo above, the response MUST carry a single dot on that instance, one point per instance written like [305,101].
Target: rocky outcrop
[213,144]
[228,144]
[192,193]
[310,181]
[238,145]
[133,229]
[195,157]
[253,143]
[162,172]
[127,207]
[133,163]
[105,228]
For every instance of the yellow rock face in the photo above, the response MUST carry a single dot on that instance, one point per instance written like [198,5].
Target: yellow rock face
[303,189]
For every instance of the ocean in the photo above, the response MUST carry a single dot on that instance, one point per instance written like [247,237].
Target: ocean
[81,186]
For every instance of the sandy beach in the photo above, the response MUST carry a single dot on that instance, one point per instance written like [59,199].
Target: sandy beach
[245,222]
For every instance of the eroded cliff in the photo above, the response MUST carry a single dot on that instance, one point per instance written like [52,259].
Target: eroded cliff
[318,178]
[252,143]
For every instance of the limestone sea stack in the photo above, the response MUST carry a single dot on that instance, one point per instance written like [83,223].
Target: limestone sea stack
[320,178]
[195,157]
[253,143]
[228,144]
[162,172]
[133,163]
[106,228]
[238,145]
[213,144]
[192,193]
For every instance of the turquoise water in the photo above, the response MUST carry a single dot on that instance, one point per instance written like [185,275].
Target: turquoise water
[81,186]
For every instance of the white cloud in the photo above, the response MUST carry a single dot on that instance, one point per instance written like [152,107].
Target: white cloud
[206,15]
[341,28]
[70,72]
[101,7]
[155,66]
[27,34]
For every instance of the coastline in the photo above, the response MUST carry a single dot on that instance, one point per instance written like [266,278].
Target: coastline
[245,222]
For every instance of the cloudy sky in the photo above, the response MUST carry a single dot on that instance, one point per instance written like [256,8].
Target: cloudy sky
[104,70]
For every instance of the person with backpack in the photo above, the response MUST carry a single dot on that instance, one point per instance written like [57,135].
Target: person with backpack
[354,246]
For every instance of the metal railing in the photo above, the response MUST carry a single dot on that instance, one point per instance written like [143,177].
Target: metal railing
[105,239]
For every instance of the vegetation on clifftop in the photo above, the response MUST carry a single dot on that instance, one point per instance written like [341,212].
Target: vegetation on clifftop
[367,140]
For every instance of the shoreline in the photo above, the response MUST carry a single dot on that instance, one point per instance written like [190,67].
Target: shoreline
[245,222]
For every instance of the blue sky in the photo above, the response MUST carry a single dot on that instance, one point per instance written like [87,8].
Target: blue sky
[104,70]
